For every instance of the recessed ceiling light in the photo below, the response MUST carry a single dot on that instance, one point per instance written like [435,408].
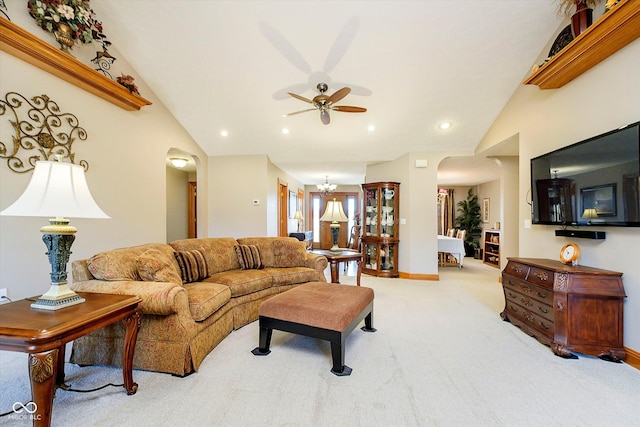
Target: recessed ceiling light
[445,125]
[224,133]
[371,128]
[285,131]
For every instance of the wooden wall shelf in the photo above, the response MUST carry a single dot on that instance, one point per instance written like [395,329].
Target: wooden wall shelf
[614,30]
[24,45]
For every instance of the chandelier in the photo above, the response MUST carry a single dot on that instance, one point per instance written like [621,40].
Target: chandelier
[326,188]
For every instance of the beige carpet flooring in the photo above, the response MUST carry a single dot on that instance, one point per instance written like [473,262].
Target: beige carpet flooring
[441,357]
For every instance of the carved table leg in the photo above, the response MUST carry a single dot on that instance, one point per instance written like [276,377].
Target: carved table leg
[334,271]
[132,324]
[359,273]
[42,372]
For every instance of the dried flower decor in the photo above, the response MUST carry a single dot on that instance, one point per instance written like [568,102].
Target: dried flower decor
[75,13]
[127,81]
[568,7]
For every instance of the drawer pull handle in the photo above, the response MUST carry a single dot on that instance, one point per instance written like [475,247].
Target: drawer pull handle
[541,295]
[543,310]
[541,275]
[509,282]
[543,325]
[512,296]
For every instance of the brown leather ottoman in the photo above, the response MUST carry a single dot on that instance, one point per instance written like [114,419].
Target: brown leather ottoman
[318,310]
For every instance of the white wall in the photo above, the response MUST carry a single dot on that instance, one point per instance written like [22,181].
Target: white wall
[126,155]
[177,204]
[602,99]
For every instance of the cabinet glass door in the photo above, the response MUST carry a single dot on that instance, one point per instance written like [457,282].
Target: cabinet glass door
[387,214]
[371,212]
[371,256]
[387,257]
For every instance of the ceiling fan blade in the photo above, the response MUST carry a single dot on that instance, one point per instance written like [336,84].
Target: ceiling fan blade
[324,117]
[298,112]
[338,95]
[348,109]
[301,98]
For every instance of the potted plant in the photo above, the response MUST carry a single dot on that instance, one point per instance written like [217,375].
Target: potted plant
[582,18]
[469,219]
[67,20]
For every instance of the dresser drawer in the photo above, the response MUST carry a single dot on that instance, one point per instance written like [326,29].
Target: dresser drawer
[539,323]
[539,293]
[516,269]
[541,276]
[528,302]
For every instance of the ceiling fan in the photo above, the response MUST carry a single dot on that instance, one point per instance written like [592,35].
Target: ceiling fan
[325,103]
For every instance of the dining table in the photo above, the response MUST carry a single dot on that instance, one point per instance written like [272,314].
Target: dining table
[452,246]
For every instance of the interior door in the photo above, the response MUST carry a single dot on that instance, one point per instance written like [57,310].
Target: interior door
[283,199]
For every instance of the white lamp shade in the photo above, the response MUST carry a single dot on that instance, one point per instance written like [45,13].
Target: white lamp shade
[298,215]
[56,190]
[334,212]
[590,213]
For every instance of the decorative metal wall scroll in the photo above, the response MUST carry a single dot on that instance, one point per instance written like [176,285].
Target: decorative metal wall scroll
[41,131]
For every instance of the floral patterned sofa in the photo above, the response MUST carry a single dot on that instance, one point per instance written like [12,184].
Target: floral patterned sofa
[194,293]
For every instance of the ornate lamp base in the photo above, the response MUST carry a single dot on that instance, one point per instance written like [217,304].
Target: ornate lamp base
[335,229]
[57,297]
[58,236]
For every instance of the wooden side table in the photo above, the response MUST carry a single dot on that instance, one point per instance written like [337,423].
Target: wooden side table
[335,258]
[43,334]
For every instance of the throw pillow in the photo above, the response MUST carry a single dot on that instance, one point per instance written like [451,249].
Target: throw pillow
[193,266]
[249,257]
[155,266]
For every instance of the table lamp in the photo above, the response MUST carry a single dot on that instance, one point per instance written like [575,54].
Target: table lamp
[589,214]
[298,217]
[335,214]
[57,190]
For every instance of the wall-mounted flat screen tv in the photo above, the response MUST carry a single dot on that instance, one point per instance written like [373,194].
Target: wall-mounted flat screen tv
[594,182]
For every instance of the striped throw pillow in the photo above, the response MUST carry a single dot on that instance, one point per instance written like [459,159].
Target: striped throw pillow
[193,266]
[249,257]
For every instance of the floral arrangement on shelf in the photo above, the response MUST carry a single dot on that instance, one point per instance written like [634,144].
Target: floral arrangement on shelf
[127,81]
[77,14]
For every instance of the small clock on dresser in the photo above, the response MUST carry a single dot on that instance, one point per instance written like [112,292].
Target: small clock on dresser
[570,253]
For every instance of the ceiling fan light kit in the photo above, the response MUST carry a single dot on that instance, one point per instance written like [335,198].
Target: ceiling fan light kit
[325,103]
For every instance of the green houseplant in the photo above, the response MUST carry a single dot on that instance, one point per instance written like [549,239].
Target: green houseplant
[469,219]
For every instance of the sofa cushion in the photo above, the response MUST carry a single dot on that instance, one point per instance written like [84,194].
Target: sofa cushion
[294,275]
[278,251]
[249,257]
[192,265]
[120,264]
[205,298]
[243,282]
[219,252]
[156,266]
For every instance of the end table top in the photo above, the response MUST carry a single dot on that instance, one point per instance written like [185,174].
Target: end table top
[23,328]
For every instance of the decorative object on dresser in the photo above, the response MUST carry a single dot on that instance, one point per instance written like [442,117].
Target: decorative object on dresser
[570,308]
[57,190]
[570,253]
[380,238]
[491,248]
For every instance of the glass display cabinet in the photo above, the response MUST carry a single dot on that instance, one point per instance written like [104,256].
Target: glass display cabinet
[381,228]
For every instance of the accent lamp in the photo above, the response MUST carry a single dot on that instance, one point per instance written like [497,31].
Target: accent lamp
[335,214]
[56,190]
[589,214]
[298,217]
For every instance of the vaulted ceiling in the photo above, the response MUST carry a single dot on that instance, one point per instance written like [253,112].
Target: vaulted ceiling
[228,65]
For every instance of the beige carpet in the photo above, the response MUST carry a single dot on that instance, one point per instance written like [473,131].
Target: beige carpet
[441,357]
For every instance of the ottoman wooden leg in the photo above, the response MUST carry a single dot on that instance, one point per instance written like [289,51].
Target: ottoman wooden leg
[368,323]
[337,354]
[265,342]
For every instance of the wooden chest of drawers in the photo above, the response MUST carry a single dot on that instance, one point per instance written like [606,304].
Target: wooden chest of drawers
[570,308]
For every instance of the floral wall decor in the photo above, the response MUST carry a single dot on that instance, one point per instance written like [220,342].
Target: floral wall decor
[77,14]
[41,131]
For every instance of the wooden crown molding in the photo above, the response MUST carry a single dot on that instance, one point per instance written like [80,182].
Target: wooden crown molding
[24,45]
[614,30]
